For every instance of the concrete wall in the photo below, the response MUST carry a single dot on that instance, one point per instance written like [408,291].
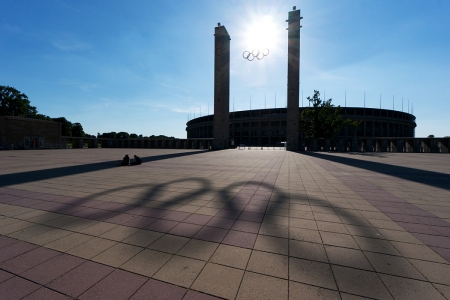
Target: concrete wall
[24,133]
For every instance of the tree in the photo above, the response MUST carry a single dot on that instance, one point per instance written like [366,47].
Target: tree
[133,136]
[77,130]
[15,103]
[66,127]
[431,136]
[323,119]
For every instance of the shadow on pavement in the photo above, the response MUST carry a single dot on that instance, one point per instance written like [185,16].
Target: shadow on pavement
[435,179]
[30,176]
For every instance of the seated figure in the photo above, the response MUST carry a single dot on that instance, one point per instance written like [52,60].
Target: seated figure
[137,160]
[125,161]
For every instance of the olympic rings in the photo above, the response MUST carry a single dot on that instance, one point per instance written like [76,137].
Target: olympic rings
[259,54]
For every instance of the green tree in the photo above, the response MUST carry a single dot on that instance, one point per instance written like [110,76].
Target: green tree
[15,103]
[133,136]
[322,119]
[123,135]
[66,127]
[77,130]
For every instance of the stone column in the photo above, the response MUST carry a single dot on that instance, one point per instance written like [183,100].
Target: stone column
[221,87]
[293,80]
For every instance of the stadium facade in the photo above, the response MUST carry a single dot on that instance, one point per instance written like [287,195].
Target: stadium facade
[267,127]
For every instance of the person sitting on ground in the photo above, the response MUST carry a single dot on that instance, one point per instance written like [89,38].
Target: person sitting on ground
[137,160]
[125,161]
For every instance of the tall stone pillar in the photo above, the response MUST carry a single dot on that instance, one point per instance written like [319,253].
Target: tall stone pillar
[221,87]
[293,80]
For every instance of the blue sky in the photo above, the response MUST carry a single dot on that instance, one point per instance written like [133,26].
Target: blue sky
[145,67]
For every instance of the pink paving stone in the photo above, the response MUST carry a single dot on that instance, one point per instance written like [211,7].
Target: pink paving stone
[45,294]
[140,222]
[211,234]
[14,250]
[162,225]
[434,221]
[16,288]
[221,222]
[419,228]
[154,289]
[176,216]
[5,241]
[78,280]
[403,218]
[240,239]
[185,229]
[442,230]
[113,206]
[120,219]
[52,269]
[445,253]
[433,240]
[5,276]
[117,285]
[193,295]
[246,226]
[198,219]
[254,217]
[28,260]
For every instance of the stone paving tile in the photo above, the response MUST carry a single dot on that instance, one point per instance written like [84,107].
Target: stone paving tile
[272,244]
[307,292]
[193,295]
[218,280]
[80,279]
[181,271]
[393,265]
[142,238]
[28,260]
[117,285]
[146,262]
[198,249]
[52,269]
[434,272]
[405,288]
[257,286]
[311,272]
[15,249]
[269,264]
[169,243]
[154,289]
[117,254]
[91,248]
[240,239]
[68,242]
[360,282]
[307,250]
[45,294]
[306,235]
[232,256]
[16,288]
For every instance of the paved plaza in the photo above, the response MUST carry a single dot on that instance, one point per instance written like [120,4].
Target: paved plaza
[234,224]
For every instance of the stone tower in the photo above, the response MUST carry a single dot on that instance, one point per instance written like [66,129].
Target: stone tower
[293,80]
[221,87]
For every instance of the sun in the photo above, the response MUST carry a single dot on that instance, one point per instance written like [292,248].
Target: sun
[261,33]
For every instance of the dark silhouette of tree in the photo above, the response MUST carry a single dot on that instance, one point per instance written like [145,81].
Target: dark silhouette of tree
[123,135]
[66,127]
[15,103]
[77,130]
[133,136]
[322,119]
[431,136]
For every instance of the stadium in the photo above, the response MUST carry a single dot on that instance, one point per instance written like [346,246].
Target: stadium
[267,127]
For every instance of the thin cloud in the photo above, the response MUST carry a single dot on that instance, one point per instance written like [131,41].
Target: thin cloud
[71,8]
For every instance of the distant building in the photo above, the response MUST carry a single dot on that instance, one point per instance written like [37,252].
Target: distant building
[268,126]
[25,133]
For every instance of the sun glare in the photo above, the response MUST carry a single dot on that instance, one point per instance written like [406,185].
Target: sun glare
[261,33]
